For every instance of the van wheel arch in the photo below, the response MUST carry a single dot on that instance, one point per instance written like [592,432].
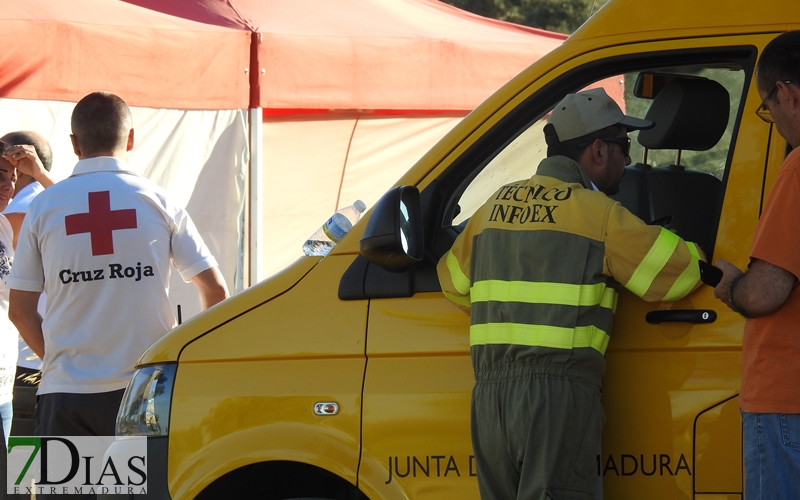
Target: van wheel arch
[281,480]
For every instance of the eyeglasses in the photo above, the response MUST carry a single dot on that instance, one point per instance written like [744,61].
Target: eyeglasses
[763,111]
[624,143]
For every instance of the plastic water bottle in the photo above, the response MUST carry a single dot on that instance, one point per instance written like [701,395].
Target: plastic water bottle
[353,212]
[334,229]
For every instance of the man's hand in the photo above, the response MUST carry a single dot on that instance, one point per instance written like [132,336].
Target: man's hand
[729,273]
[760,291]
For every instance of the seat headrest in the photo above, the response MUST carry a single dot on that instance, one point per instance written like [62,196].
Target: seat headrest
[689,114]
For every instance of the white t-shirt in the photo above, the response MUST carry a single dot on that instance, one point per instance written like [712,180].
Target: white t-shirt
[19,204]
[8,334]
[23,197]
[99,243]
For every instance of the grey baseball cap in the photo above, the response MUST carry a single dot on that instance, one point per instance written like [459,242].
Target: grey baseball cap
[588,111]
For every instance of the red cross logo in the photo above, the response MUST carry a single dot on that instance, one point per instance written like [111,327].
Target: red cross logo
[100,221]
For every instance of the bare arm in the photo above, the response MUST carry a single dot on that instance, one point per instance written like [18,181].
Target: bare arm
[211,285]
[25,159]
[15,219]
[22,311]
[758,292]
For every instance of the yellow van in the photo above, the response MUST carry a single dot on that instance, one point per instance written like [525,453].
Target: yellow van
[349,376]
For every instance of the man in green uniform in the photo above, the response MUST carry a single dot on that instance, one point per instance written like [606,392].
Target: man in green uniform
[538,266]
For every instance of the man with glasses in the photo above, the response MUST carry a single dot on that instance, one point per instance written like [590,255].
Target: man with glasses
[538,267]
[768,296]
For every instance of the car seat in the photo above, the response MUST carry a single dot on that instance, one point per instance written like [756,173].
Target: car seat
[690,113]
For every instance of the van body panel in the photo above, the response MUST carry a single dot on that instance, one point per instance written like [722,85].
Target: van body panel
[776,153]
[319,328]
[248,412]
[648,440]
[633,20]
[419,378]
[280,371]
[714,446]
[169,347]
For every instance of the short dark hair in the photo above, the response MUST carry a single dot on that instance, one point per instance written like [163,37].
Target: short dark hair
[4,147]
[572,148]
[780,61]
[101,122]
[38,142]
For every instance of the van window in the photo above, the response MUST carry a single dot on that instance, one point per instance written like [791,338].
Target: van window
[517,161]
[673,175]
[712,161]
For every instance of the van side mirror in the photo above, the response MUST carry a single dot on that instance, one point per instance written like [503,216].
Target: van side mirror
[393,238]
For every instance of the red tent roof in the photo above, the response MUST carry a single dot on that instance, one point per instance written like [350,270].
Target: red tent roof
[57,50]
[370,54]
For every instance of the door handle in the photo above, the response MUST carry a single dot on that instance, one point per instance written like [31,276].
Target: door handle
[681,316]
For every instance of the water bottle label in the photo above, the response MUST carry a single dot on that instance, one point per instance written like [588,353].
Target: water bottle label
[326,230]
[336,227]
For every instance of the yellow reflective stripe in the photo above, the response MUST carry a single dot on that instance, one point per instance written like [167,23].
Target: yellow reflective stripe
[616,299]
[544,293]
[653,262]
[688,278]
[460,280]
[539,336]
[462,300]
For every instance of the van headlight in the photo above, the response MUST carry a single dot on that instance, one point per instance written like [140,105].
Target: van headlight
[144,410]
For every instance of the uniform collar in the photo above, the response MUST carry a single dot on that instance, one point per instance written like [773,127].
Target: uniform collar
[564,169]
[100,164]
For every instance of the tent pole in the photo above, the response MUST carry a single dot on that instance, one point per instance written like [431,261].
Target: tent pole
[255,183]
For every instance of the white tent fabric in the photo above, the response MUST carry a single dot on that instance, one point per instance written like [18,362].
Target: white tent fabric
[314,165]
[198,156]
[364,58]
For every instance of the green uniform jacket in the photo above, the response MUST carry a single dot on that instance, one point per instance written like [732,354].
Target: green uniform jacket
[539,263]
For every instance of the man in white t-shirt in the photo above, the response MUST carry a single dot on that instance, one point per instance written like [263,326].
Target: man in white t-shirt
[25,190]
[100,243]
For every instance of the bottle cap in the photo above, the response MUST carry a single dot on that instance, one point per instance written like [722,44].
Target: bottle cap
[360,205]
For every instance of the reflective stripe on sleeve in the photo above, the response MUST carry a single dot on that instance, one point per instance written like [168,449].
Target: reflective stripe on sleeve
[539,336]
[460,280]
[653,262]
[462,300]
[545,293]
[688,278]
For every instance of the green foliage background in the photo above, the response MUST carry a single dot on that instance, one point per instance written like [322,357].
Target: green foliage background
[563,16]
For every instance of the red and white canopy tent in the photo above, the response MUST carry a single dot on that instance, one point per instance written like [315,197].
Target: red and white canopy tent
[326,101]
[186,84]
[350,93]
